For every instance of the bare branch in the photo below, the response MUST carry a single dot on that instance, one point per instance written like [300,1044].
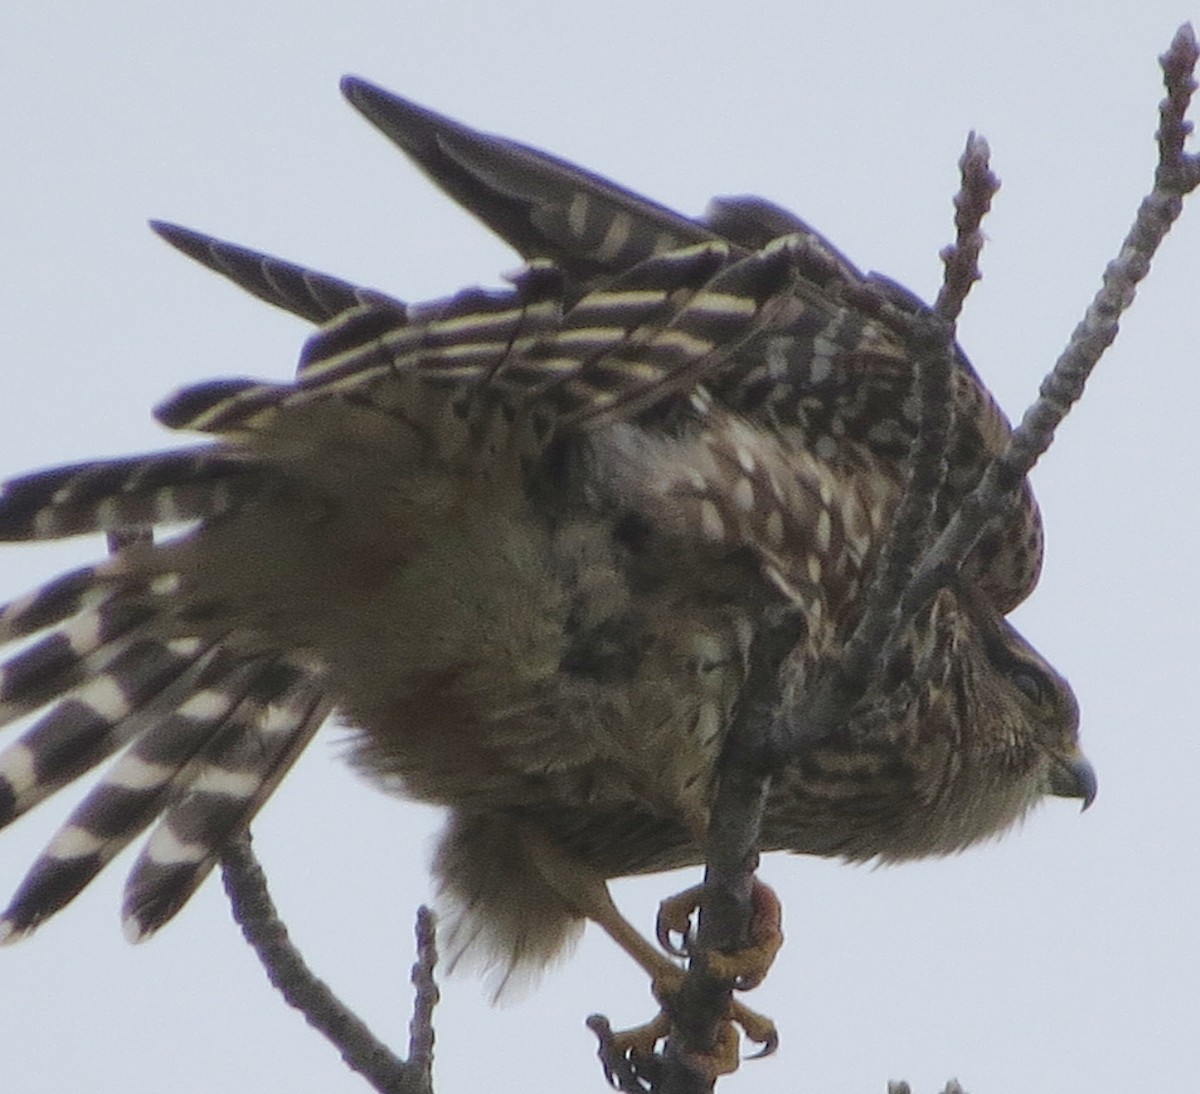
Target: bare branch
[931,344]
[1177,174]
[971,205]
[1176,169]
[702,1006]
[420,1029]
[255,913]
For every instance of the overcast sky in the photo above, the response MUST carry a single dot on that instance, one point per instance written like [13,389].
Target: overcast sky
[1064,958]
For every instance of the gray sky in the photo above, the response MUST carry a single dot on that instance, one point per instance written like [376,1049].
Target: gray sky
[1064,958]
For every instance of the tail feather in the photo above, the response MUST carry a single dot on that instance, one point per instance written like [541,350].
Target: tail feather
[111,495]
[59,599]
[86,646]
[143,681]
[229,713]
[223,787]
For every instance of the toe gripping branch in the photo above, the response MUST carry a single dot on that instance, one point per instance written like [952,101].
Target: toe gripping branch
[698,1017]
[738,932]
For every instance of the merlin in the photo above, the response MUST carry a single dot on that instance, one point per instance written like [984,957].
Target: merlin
[519,543]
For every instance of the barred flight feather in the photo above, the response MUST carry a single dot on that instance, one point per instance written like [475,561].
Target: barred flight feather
[113,703]
[239,764]
[136,492]
[314,296]
[542,205]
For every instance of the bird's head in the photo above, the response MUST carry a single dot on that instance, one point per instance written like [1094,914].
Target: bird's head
[962,731]
[992,729]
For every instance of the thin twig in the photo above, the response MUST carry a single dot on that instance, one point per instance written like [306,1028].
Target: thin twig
[255,913]
[931,347]
[929,337]
[420,1029]
[1177,170]
[971,205]
[1177,174]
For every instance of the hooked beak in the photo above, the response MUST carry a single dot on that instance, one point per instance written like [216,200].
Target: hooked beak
[1073,777]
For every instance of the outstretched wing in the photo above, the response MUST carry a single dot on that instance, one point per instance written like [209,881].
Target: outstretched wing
[205,656]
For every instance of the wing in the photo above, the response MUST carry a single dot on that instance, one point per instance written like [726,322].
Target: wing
[206,655]
[837,381]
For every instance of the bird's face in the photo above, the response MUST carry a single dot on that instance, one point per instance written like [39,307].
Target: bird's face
[1016,718]
[965,730]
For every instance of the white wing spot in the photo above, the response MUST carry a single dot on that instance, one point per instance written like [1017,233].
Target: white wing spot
[707,649]
[467,325]
[722,303]
[277,719]
[711,522]
[185,647]
[743,495]
[615,237]
[167,849]
[824,531]
[577,213]
[589,337]
[18,770]
[83,633]
[71,842]
[166,584]
[688,344]
[134,773]
[206,706]
[109,513]
[232,784]
[105,697]
[625,298]
[167,509]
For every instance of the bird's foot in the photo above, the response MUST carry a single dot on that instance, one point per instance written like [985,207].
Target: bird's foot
[747,967]
[633,1051]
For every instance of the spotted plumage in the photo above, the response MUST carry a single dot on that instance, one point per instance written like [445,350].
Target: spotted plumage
[520,541]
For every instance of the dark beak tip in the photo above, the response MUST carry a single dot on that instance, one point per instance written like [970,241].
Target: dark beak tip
[1088,784]
[1075,778]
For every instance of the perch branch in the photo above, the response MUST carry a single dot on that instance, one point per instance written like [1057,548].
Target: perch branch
[255,913]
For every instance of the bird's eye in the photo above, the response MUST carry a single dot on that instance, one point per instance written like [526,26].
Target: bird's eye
[1030,683]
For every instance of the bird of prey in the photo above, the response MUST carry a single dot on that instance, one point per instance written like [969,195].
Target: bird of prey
[520,542]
